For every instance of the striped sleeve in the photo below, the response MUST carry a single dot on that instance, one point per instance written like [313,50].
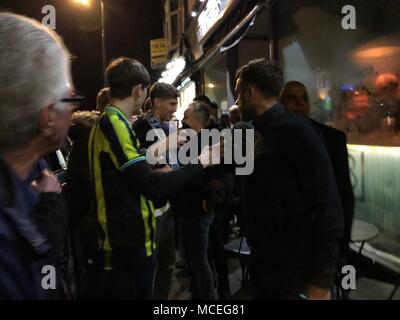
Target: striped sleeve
[121,140]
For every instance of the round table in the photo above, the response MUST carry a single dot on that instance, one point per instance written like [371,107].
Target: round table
[238,246]
[362,231]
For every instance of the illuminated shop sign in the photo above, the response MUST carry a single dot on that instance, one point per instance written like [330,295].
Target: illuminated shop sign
[174,69]
[213,11]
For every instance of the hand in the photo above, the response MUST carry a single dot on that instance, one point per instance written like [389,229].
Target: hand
[47,183]
[317,293]
[208,206]
[211,155]
[171,143]
[164,169]
[181,139]
[133,119]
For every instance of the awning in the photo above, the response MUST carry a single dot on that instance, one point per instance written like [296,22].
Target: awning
[228,35]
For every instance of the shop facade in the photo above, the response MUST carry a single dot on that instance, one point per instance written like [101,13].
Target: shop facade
[352,77]
[353,80]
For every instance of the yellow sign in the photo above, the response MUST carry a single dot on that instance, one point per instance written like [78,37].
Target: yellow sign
[159,52]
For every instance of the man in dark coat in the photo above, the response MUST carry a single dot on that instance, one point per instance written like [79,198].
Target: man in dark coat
[34,119]
[293,212]
[295,99]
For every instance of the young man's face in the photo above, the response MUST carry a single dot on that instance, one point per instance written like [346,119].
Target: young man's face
[165,108]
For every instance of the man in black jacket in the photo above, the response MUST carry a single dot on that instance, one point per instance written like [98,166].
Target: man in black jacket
[293,212]
[295,99]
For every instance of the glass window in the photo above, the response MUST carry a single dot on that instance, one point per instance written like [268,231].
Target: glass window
[172,23]
[353,81]
[187,94]
[216,82]
[174,30]
[352,76]
[174,5]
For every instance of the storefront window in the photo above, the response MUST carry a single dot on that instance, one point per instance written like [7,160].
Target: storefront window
[216,82]
[173,23]
[353,81]
[353,76]
[187,94]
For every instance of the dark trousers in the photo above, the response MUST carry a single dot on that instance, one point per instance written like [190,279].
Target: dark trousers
[165,254]
[194,236]
[131,277]
[218,255]
[274,283]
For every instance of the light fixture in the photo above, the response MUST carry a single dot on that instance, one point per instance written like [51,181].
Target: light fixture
[173,69]
[194,14]
[86,3]
[211,85]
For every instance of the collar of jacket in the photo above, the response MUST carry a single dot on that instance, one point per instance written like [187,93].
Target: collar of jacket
[153,121]
[268,116]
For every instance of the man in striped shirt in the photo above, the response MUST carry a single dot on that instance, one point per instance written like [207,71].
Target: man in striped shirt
[125,184]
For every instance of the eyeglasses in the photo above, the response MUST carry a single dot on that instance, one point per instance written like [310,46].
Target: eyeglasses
[73,99]
[69,104]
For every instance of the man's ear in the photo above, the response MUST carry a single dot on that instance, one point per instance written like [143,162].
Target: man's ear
[137,92]
[47,121]
[156,102]
[251,91]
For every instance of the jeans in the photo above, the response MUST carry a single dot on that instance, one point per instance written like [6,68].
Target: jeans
[194,237]
[165,254]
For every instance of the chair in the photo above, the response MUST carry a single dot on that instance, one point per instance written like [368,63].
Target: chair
[240,248]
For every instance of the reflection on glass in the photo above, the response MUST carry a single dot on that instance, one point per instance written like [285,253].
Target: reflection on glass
[353,77]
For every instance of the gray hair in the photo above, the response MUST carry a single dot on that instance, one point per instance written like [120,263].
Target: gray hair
[201,111]
[34,73]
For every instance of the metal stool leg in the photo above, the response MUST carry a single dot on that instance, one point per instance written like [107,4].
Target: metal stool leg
[394,291]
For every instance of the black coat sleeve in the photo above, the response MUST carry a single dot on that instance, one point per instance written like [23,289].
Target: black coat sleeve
[153,185]
[340,161]
[316,179]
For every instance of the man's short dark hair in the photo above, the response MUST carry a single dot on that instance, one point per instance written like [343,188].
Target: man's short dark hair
[265,75]
[161,90]
[203,98]
[125,73]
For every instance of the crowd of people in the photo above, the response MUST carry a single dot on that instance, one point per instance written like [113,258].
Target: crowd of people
[112,226]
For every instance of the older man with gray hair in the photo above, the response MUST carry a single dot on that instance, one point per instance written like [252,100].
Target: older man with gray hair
[35,113]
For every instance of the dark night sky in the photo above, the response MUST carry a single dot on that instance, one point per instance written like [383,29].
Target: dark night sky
[130,25]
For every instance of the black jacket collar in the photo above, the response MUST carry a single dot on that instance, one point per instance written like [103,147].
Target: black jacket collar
[269,116]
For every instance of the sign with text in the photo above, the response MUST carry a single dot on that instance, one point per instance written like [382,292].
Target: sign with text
[159,53]
[214,11]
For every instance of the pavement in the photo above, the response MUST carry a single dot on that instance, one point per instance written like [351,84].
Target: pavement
[368,286]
